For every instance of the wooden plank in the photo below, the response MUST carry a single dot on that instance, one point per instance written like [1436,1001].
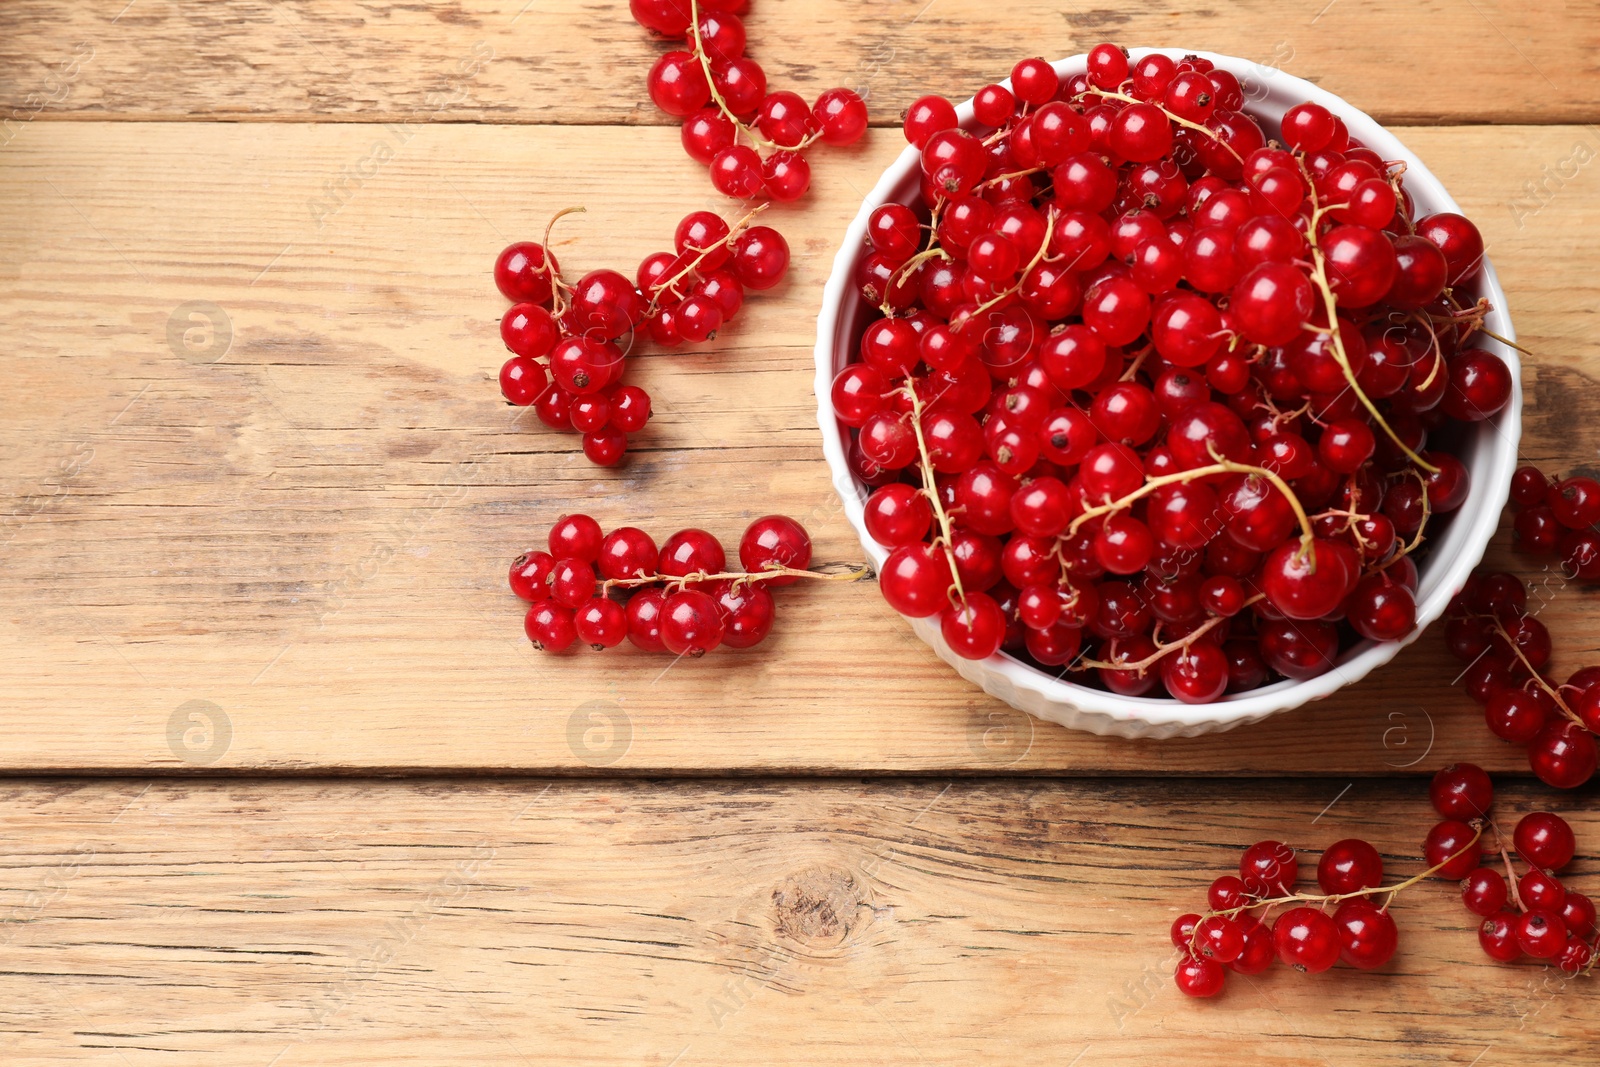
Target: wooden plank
[569,61]
[707,922]
[309,532]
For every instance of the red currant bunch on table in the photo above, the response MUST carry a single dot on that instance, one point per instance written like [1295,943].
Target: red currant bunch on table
[597,588]
[1507,653]
[1556,518]
[1529,914]
[1149,397]
[1257,917]
[729,116]
[570,343]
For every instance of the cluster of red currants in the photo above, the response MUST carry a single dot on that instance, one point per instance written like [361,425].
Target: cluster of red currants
[1557,517]
[1507,651]
[1533,914]
[569,343]
[1151,395]
[600,588]
[721,96]
[1228,937]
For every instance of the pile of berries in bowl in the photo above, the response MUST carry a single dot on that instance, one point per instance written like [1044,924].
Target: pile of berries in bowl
[1156,384]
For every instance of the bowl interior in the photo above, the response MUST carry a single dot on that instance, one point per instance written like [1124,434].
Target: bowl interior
[1487,448]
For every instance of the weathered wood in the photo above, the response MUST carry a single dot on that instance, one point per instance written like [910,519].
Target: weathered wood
[562,61]
[707,922]
[309,530]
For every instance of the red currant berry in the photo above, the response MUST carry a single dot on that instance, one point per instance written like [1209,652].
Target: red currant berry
[1541,934]
[627,552]
[1306,940]
[841,115]
[1453,848]
[927,116]
[530,575]
[550,627]
[523,272]
[760,257]
[644,620]
[915,580]
[601,623]
[691,551]
[1270,868]
[1461,791]
[1484,891]
[1367,934]
[747,612]
[1545,840]
[1349,865]
[1199,977]
[775,539]
[1564,755]
[1498,936]
[690,623]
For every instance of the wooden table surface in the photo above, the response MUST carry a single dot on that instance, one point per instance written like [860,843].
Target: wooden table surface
[284,782]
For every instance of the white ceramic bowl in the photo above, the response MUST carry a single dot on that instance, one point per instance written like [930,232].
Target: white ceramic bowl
[1490,452]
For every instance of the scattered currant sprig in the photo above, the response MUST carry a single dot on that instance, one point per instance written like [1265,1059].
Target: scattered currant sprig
[569,342]
[598,588]
[721,95]
[1152,392]
[1531,914]
[1507,653]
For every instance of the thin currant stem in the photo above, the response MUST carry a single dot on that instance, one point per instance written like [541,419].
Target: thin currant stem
[1185,123]
[900,273]
[1221,466]
[1511,872]
[1427,513]
[1553,692]
[772,570]
[1012,290]
[663,288]
[1319,278]
[1339,898]
[558,288]
[705,66]
[930,489]
[1163,651]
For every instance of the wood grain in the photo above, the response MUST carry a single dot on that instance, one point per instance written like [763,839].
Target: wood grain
[710,922]
[574,61]
[309,531]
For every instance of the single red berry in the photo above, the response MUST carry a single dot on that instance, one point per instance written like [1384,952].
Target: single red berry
[1199,977]
[1537,889]
[626,552]
[575,537]
[1269,868]
[1183,930]
[644,619]
[747,612]
[1541,934]
[1367,934]
[691,551]
[1564,755]
[530,575]
[1452,846]
[1545,840]
[1349,865]
[1227,893]
[1498,936]
[775,539]
[523,272]
[691,625]
[601,623]
[1461,791]
[1219,938]
[1484,891]
[1306,940]
[1259,951]
[550,627]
